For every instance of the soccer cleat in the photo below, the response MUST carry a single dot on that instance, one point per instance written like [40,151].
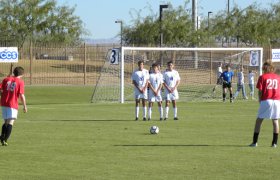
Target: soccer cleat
[144,119]
[160,119]
[274,145]
[4,143]
[231,101]
[149,119]
[176,118]
[253,145]
[165,119]
[136,119]
[224,100]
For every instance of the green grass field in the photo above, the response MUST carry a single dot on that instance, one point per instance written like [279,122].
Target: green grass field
[63,136]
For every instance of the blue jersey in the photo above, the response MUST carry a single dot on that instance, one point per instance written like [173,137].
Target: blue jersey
[227,76]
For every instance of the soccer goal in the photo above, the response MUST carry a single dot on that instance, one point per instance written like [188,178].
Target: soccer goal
[197,68]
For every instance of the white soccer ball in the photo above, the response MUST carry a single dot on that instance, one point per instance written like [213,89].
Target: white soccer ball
[154,130]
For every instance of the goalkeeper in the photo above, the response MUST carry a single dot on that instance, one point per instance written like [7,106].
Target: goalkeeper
[227,79]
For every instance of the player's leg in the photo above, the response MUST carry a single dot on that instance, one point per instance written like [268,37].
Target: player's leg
[150,110]
[175,109]
[257,131]
[244,92]
[275,132]
[144,109]
[3,132]
[237,91]
[137,102]
[224,91]
[167,102]
[230,92]
[9,123]
[160,109]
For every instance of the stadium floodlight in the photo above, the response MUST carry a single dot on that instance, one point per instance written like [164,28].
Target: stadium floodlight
[121,23]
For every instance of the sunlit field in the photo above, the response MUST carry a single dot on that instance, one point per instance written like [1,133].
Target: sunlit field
[64,136]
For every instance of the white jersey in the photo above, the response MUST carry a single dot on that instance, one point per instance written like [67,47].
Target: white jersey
[140,77]
[156,79]
[251,78]
[170,78]
[240,77]
[219,71]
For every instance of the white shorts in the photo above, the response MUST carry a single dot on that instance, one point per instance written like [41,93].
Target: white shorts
[139,95]
[153,98]
[9,113]
[269,109]
[171,96]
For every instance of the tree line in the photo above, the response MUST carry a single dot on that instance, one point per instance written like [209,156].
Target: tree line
[38,21]
[251,26]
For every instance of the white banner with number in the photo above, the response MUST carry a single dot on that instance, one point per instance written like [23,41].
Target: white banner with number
[114,56]
[8,54]
[254,58]
[275,55]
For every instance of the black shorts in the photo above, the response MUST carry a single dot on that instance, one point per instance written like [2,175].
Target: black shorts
[226,84]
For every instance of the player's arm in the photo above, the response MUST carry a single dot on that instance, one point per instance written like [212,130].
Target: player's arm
[145,87]
[167,87]
[159,89]
[152,88]
[23,100]
[176,85]
[136,85]
[260,95]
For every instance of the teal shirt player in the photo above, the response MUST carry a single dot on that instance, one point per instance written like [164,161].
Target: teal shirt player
[227,76]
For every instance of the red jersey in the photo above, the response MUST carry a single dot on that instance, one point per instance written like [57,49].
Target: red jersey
[11,88]
[269,84]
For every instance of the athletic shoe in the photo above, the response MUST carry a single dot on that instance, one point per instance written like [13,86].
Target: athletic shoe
[136,119]
[176,118]
[253,145]
[274,145]
[144,119]
[149,119]
[4,143]
[160,119]
[231,101]
[165,119]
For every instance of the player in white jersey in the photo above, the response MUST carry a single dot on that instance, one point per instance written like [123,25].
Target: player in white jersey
[155,85]
[219,78]
[171,81]
[251,82]
[240,84]
[140,79]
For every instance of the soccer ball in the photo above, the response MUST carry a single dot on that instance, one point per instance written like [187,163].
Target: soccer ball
[154,130]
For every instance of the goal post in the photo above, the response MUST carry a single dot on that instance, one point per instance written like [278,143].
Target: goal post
[197,68]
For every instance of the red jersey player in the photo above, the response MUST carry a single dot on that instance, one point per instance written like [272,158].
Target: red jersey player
[12,89]
[269,98]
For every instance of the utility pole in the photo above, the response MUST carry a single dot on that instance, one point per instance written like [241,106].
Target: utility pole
[194,19]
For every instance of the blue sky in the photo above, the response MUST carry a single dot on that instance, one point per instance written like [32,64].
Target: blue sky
[99,15]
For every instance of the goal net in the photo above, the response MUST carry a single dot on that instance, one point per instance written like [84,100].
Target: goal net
[197,68]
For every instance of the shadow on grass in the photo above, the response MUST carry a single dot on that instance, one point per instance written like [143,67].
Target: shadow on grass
[178,145]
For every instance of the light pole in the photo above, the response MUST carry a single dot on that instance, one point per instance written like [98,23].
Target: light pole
[121,23]
[161,7]
[208,23]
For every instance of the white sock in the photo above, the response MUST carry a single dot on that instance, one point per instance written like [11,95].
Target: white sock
[144,112]
[150,113]
[166,112]
[137,111]
[175,111]
[160,109]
